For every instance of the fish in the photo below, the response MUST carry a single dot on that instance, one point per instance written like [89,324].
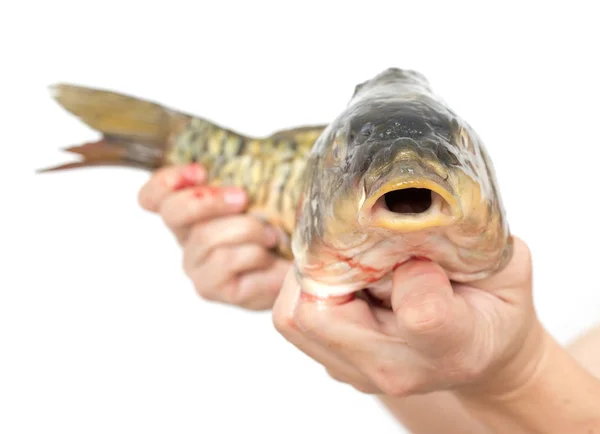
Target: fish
[397,176]
[143,134]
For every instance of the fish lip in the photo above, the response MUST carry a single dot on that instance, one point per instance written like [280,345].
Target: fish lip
[444,210]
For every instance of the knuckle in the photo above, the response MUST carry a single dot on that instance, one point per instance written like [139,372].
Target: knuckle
[283,322]
[391,380]
[204,290]
[336,375]
[190,262]
[365,388]
[211,290]
[423,313]
[197,235]
[247,258]
[309,321]
[396,387]
[239,295]
[246,226]
[340,377]
[220,260]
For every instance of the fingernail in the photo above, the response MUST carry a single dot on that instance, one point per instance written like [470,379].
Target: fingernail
[234,196]
[271,236]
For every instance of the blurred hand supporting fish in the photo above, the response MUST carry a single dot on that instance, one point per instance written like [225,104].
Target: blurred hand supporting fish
[397,175]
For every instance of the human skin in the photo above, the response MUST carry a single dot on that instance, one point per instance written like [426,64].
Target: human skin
[487,335]
[225,254]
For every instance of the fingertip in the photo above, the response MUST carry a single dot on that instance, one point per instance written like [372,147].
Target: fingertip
[143,198]
[421,295]
[423,312]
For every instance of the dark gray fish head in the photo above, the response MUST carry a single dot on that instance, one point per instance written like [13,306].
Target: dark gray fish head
[398,169]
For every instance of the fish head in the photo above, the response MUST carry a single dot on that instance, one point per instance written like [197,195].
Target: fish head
[396,175]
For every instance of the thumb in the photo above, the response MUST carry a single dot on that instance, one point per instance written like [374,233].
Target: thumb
[431,317]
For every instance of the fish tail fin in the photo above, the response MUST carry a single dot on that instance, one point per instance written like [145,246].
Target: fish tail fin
[135,132]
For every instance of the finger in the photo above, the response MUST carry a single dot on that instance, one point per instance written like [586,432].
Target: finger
[217,277]
[257,289]
[227,231]
[430,315]
[169,179]
[286,324]
[349,330]
[227,261]
[181,209]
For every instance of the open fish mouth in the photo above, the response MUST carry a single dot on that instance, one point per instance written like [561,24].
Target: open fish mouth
[410,205]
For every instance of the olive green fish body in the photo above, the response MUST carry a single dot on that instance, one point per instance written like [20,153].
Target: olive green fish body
[269,169]
[396,175]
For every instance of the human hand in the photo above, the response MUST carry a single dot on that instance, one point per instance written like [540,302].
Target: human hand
[478,338]
[226,253]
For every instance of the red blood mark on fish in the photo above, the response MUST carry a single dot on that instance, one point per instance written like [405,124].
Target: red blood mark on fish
[352,263]
[373,279]
[332,300]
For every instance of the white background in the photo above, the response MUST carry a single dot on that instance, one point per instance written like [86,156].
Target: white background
[100,332]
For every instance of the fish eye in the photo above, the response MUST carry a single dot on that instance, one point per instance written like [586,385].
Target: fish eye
[464,139]
[335,150]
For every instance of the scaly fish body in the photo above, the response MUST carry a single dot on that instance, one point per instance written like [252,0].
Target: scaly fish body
[268,168]
[397,175]
[143,134]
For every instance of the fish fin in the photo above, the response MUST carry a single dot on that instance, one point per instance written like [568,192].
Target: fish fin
[291,133]
[135,132]
[305,137]
[104,152]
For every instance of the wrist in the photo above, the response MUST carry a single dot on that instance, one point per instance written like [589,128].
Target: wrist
[515,370]
[542,389]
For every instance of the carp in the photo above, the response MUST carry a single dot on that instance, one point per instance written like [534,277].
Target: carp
[397,175]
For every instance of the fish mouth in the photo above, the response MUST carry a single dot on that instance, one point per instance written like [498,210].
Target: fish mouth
[411,205]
